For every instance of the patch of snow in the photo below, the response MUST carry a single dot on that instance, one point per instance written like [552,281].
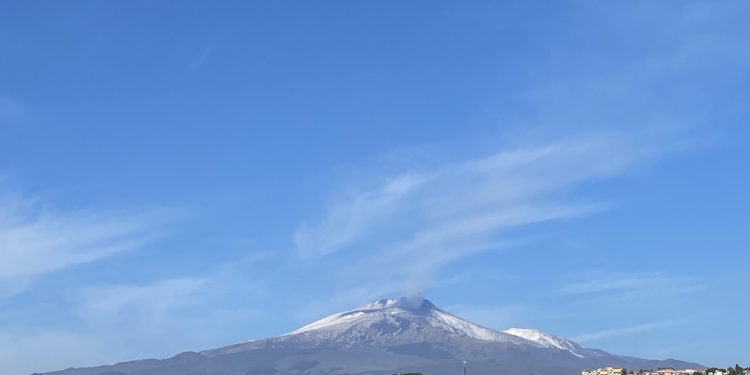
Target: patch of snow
[547,340]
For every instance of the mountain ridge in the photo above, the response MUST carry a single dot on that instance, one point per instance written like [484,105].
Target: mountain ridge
[386,336]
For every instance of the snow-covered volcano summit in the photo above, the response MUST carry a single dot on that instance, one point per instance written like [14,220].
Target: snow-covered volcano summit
[388,323]
[400,320]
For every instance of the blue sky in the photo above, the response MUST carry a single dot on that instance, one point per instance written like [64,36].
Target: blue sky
[185,175]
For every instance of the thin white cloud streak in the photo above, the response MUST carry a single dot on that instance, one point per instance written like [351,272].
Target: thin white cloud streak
[156,307]
[615,332]
[416,260]
[626,285]
[174,314]
[163,305]
[152,303]
[35,239]
[595,286]
[128,321]
[200,61]
[475,186]
[420,221]
[347,222]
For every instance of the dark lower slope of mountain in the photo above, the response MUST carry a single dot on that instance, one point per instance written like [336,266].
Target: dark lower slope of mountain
[387,336]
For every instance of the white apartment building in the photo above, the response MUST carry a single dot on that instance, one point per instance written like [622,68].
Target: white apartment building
[604,371]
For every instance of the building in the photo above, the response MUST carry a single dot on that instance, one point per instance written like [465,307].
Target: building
[604,371]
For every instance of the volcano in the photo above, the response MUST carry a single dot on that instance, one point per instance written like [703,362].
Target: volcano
[389,336]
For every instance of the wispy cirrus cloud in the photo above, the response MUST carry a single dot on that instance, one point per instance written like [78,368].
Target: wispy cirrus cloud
[159,318]
[201,60]
[419,221]
[347,222]
[622,331]
[160,306]
[36,239]
[152,302]
[613,284]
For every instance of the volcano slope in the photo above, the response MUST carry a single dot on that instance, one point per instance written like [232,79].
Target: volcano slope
[385,337]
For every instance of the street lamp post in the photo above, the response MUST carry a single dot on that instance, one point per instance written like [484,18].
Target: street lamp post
[464,367]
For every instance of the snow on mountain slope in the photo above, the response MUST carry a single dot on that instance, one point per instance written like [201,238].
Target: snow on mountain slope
[547,340]
[389,323]
[414,318]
